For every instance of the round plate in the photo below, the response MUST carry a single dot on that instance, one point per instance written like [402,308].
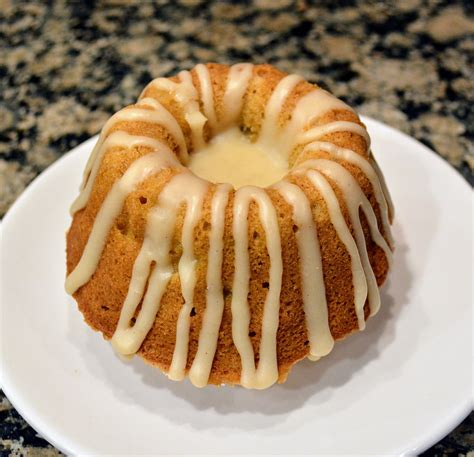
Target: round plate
[396,388]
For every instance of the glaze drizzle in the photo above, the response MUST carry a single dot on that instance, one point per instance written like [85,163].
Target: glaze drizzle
[152,270]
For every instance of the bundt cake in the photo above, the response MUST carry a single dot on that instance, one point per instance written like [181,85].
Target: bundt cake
[230,283]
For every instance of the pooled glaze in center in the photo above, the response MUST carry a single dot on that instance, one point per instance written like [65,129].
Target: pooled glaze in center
[231,158]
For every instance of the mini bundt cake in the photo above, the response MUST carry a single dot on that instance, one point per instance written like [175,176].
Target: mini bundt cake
[226,285]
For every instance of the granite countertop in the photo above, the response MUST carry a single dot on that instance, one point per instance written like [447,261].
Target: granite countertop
[67,66]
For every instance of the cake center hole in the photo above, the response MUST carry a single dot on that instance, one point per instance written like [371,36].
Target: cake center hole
[230,157]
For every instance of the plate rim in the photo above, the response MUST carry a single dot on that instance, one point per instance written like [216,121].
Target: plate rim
[442,428]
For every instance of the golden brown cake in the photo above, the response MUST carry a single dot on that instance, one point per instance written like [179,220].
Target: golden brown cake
[230,284]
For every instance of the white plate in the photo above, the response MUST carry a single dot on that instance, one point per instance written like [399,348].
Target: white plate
[396,388]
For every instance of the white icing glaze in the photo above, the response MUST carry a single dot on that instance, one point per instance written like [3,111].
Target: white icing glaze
[186,95]
[312,281]
[236,87]
[153,270]
[270,129]
[159,115]
[139,170]
[231,157]
[313,358]
[337,220]
[267,371]
[202,363]
[352,157]
[332,127]
[116,139]
[192,113]
[383,183]
[207,94]
[308,108]
[156,247]
[195,191]
[355,199]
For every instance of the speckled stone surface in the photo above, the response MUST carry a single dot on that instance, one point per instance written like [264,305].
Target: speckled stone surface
[66,66]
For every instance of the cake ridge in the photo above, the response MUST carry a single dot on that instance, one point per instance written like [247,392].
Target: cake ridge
[148,284]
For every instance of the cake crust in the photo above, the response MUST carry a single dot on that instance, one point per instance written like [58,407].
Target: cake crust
[101,298]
